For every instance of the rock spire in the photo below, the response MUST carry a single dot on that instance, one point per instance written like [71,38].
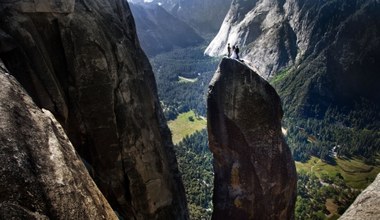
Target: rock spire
[255,176]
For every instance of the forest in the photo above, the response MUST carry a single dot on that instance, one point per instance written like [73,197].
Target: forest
[321,198]
[195,164]
[182,76]
[340,131]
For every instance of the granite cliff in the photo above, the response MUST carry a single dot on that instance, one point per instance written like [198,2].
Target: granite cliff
[82,61]
[255,176]
[41,175]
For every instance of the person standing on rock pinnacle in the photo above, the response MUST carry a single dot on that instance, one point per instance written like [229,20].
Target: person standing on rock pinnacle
[233,55]
[237,51]
[228,50]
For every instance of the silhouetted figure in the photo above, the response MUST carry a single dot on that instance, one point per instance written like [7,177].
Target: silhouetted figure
[237,51]
[228,50]
[233,55]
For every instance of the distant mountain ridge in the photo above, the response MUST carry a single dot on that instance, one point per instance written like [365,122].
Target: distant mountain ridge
[205,16]
[160,31]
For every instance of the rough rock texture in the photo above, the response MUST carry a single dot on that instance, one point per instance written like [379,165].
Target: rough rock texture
[56,6]
[262,31]
[366,205]
[41,175]
[255,176]
[331,48]
[159,31]
[206,16]
[87,68]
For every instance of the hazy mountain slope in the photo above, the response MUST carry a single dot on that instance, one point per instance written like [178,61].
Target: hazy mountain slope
[159,31]
[205,16]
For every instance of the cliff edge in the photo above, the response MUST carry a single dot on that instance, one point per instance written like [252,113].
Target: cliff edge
[255,175]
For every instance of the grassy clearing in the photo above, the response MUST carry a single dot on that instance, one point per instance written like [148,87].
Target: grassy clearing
[186,124]
[355,172]
[182,79]
[280,76]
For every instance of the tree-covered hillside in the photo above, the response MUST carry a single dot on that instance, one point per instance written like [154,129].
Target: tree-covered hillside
[182,77]
[343,136]
[195,164]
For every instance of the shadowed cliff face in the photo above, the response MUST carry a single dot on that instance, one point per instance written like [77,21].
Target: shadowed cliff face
[159,31]
[255,176]
[41,176]
[81,60]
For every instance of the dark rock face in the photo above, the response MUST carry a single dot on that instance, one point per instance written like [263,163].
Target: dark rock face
[41,175]
[159,31]
[366,205]
[84,64]
[255,176]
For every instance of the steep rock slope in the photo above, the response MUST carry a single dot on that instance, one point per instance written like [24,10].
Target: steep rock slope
[81,60]
[261,30]
[332,46]
[41,176]
[366,205]
[159,31]
[255,176]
